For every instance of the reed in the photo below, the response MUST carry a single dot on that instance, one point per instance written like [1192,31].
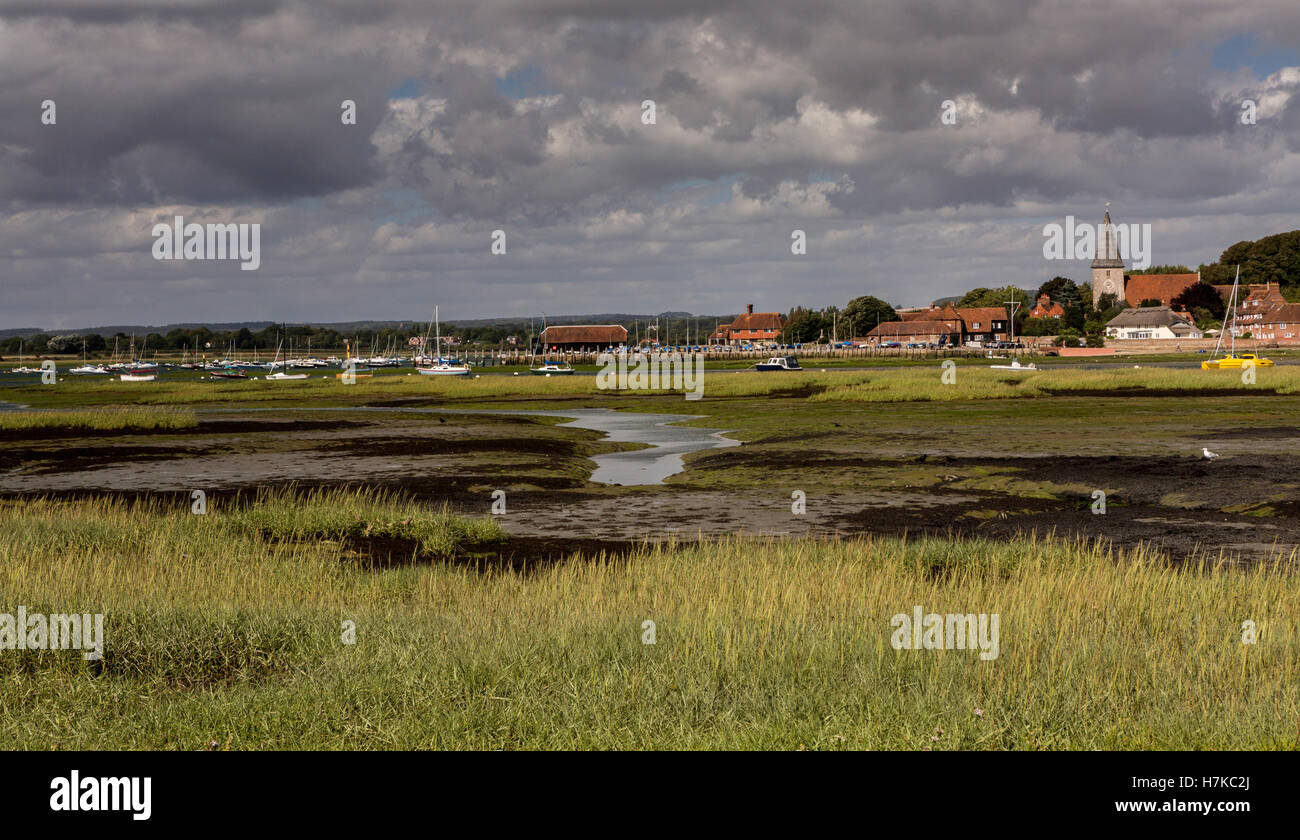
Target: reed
[228,628]
[98,420]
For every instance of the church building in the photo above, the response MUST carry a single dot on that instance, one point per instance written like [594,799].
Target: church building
[1108,275]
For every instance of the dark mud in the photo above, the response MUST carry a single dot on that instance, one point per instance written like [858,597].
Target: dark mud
[204,427]
[1173,393]
[1177,503]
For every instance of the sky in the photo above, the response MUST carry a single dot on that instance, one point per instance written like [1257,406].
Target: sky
[475,116]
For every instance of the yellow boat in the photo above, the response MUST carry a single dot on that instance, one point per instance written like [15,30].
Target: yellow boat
[1236,361]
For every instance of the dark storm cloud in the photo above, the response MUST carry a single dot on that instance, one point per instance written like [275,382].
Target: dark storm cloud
[527,115]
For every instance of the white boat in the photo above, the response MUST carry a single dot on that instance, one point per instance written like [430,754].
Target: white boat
[280,376]
[87,369]
[548,368]
[1015,365]
[442,367]
[138,377]
[779,363]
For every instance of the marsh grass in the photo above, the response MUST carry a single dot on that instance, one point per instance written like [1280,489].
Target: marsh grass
[342,514]
[220,631]
[98,420]
[894,384]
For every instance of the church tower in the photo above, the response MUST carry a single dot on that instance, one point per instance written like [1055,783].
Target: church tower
[1108,266]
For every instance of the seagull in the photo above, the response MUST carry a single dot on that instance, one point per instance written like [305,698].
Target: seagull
[1209,456]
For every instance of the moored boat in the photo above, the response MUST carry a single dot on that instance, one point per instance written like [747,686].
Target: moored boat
[549,368]
[779,363]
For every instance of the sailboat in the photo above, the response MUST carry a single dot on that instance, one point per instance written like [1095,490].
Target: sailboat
[1232,360]
[280,375]
[84,368]
[441,366]
[548,367]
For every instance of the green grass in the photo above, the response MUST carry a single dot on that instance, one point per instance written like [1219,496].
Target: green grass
[142,419]
[218,631]
[914,383]
[337,514]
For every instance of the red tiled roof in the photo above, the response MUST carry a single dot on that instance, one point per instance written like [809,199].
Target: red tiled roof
[982,315]
[1161,287]
[758,321]
[893,329]
[588,334]
[1286,313]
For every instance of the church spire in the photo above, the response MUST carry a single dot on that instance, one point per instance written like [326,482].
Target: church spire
[1107,245]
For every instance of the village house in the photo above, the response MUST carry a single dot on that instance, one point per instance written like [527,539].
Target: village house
[916,331]
[946,325]
[583,338]
[985,323]
[1151,322]
[1045,308]
[1258,304]
[750,328]
[1280,323]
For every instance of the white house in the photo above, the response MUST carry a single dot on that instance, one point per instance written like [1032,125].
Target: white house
[1146,322]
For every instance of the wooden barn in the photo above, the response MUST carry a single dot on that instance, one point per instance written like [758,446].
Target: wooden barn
[583,338]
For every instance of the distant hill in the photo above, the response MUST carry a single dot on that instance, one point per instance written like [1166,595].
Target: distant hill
[346,327]
[19,331]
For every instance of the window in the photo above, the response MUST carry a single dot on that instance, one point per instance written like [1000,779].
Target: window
[975,326]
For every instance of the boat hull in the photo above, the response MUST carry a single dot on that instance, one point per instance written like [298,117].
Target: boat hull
[443,371]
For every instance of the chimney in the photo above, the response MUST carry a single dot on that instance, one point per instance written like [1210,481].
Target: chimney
[749,308]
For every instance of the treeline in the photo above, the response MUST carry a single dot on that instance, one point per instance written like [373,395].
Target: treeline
[669,330]
[1274,259]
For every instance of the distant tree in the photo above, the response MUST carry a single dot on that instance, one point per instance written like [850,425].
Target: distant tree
[996,297]
[63,343]
[806,325]
[862,314]
[1273,259]
[1107,302]
[1075,317]
[1068,337]
[1040,326]
[1204,319]
[1147,303]
[973,297]
[1201,295]
[1060,290]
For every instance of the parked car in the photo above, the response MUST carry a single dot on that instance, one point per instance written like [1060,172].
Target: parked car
[916,345]
[891,344]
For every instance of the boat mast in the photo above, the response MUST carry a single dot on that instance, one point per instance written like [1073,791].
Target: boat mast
[1232,299]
